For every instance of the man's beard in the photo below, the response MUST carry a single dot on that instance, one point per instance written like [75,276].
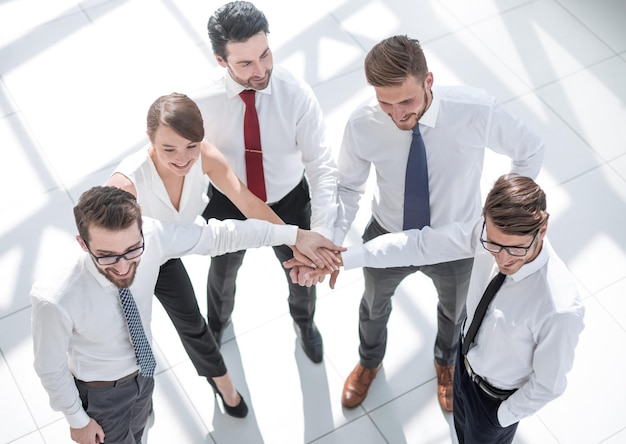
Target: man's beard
[249,84]
[119,283]
[418,115]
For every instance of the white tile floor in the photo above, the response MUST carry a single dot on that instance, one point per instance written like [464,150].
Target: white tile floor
[76,78]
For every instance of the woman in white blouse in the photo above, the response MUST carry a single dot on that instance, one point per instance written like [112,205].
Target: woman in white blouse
[167,178]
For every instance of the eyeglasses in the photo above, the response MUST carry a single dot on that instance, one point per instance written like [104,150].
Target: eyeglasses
[114,259]
[493,247]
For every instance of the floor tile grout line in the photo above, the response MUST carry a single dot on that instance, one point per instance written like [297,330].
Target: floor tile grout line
[19,310]
[22,397]
[584,25]
[618,432]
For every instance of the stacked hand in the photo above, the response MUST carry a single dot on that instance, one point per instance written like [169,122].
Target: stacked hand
[314,251]
[303,274]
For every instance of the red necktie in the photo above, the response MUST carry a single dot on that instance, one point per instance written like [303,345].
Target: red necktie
[252,140]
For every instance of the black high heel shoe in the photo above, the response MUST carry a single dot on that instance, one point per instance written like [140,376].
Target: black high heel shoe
[238,411]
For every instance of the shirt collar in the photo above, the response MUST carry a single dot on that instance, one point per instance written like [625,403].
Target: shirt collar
[233,88]
[90,266]
[430,116]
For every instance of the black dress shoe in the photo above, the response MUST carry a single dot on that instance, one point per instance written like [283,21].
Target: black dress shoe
[312,344]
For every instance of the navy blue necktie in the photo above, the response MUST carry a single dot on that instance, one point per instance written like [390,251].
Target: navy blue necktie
[145,358]
[416,195]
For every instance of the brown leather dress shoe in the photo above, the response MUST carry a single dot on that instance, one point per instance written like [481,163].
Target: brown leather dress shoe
[356,386]
[445,376]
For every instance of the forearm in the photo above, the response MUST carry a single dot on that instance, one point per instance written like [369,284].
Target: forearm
[414,247]
[530,165]
[323,184]
[51,333]
[509,135]
[351,185]
[348,206]
[261,211]
[233,235]
[552,359]
[64,398]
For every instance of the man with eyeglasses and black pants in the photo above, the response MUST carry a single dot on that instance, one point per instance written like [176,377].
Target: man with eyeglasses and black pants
[91,316]
[524,313]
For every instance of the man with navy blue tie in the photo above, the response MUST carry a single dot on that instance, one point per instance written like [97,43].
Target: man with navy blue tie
[448,128]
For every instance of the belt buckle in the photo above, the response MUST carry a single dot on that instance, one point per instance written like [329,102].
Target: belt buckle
[485,388]
[469,369]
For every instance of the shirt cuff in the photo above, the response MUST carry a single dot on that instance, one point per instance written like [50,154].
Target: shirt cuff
[79,419]
[327,233]
[285,234]
[353,257]
[505,417]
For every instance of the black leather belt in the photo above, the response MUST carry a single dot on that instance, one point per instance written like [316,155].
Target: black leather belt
[489,389]
[107,384]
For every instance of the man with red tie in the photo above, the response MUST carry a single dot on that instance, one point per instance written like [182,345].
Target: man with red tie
[269,126]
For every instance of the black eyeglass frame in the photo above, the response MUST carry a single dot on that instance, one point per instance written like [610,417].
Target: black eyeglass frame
[117,257]
[508,248]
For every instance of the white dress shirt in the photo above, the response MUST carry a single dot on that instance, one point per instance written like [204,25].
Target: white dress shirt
[78,325]
[152,195]
[293,139]
[528,335]
[459,124]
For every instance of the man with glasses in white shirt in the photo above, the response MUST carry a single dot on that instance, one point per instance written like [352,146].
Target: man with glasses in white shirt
[514,358]
[92,352]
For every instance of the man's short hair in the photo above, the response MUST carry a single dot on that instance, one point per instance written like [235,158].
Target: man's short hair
[107,207]
[516,205]
[391,61]
[235,22]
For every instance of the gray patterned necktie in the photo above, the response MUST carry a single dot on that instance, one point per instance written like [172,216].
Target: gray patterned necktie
[145,358]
